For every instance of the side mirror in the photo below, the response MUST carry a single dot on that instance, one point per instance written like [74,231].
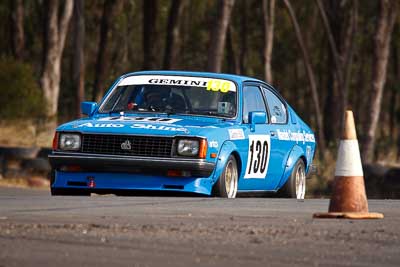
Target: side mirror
[257,117]
[88,108]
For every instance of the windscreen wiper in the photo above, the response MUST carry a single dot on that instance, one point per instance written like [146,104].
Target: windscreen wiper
[169,111]
[119,110]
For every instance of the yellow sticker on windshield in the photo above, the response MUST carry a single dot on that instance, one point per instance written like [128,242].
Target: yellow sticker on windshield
[218,86]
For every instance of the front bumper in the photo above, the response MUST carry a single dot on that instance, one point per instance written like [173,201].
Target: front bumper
[107,182]
[129,164]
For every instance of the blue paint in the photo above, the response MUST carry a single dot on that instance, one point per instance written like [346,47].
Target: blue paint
[88,108]
[225,136]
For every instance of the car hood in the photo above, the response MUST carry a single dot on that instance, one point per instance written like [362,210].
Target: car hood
[146,125]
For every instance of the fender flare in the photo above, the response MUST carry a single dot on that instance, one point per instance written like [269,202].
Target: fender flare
[227,148]
[296,153]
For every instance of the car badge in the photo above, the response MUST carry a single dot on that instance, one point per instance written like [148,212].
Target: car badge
[126,145]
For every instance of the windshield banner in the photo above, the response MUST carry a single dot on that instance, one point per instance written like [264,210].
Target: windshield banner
[216,85]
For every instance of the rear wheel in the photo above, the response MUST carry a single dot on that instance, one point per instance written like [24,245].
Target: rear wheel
[295,186]
[227,183]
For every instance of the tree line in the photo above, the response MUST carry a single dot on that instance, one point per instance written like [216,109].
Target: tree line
[324,56]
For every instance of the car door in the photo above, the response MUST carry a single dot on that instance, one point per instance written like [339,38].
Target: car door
[256,171]
[279,125]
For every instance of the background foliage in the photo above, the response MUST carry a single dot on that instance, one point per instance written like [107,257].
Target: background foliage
[20,95]
[126,48]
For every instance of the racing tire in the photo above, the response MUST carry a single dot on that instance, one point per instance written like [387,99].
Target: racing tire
[295,186]
[227,184]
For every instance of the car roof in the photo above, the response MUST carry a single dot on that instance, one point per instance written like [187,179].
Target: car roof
[233,77]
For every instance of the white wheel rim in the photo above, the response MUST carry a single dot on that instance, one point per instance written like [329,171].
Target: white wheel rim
[231,178]
[300,182]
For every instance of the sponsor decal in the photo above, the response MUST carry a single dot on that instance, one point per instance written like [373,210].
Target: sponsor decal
[101,125]
[213,144]
[258,156]
[296,136]
[236,134]
[214,85]
[141,119]
[134,126]
[178,81]
[158,127]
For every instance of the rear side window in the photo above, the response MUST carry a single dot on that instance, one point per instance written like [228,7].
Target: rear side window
[277,108]
[252,101]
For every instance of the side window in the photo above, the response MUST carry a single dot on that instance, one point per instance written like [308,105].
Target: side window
[252,101]
[277,109]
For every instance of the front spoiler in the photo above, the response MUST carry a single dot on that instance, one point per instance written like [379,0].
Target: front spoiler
[130,164]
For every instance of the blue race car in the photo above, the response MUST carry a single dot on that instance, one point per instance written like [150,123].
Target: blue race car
[205,133]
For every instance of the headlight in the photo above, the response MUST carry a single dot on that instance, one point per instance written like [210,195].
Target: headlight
[188,147]
[70,141]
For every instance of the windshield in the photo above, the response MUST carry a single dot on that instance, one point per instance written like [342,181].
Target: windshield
[173,94]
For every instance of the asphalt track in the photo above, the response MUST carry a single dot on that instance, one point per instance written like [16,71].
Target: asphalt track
[39,230]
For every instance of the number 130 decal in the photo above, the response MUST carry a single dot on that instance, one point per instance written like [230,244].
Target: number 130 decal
[258,156]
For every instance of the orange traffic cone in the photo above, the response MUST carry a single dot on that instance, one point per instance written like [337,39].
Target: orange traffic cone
[349,199]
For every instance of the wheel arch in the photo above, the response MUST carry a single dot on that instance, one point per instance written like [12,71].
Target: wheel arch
[228,148]
[304,160]
[295,154]
[238,161]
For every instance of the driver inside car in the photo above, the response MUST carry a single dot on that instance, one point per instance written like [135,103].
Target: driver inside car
[157,99]
[148,98]
[154,100]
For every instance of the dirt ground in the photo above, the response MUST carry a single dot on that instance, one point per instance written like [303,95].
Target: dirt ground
[37,230]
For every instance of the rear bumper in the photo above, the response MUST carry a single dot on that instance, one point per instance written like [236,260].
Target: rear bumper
[129,164]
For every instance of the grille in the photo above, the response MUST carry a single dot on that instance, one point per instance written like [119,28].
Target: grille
[139,145]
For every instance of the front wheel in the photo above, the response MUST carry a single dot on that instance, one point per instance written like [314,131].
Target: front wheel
[295,186]
[227,183]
